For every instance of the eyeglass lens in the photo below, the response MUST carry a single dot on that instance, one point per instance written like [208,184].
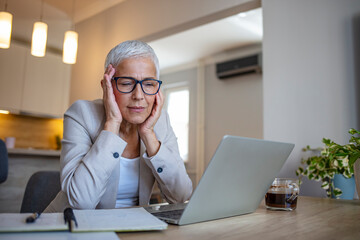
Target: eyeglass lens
[127,85]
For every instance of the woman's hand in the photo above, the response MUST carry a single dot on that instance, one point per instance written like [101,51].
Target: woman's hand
[113,114]
[148,126]
[146,129]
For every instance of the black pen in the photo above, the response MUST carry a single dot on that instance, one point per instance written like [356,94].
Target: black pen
[69,218]
[33,217]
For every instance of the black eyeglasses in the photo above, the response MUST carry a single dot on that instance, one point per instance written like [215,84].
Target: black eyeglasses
[127,84]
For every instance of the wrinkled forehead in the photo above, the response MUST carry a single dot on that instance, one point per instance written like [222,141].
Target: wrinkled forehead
[139,67]
[142,63]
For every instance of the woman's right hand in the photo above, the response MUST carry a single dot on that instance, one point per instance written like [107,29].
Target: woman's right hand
[113,114]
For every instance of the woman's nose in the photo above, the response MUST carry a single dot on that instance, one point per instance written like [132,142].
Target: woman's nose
[138,92]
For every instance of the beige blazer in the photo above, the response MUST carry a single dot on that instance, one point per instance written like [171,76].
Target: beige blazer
[90,162]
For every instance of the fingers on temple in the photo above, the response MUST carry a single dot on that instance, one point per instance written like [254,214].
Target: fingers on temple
[108,68]
[109,72]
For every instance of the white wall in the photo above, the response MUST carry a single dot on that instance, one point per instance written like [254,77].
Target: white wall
[233,106]
[309,75]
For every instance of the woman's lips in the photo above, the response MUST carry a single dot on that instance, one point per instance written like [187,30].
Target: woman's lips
[136,109]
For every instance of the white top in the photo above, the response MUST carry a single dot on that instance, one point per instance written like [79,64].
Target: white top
[128,188]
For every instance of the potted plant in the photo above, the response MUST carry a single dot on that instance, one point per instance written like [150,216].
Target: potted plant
[333,159]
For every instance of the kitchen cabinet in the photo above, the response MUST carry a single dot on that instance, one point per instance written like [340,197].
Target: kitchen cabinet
[46,85]
[12,64]
[33,85]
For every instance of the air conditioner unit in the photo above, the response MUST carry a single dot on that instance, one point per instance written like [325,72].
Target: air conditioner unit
[240,66]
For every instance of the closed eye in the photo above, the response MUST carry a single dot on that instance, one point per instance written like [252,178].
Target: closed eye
[126,83]
[150,84]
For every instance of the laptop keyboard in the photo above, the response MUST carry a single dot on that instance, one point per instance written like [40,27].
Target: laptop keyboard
[173,214]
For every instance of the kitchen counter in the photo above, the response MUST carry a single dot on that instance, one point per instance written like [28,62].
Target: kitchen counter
[33,152]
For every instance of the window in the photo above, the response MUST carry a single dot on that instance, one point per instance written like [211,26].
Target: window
[177,105]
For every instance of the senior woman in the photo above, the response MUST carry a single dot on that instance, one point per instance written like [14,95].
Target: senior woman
[114,149]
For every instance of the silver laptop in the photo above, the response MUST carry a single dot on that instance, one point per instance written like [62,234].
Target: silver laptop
[234,183]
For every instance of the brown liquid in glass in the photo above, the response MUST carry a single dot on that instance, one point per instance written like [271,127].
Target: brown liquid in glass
[280,200]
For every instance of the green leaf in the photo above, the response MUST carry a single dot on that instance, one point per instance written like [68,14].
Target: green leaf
[312,167]
[325,185]
[353,131]
[353,158]
[328,193]
[341,154]
[340,163]
[346,174]
[337,192]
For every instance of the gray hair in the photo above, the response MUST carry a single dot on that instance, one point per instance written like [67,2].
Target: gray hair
[131,49]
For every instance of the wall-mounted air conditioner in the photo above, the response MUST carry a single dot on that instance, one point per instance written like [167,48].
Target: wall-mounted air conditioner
[240,66]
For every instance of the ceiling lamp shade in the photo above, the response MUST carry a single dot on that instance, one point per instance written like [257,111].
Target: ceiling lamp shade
[70,47]
[5,29]
[39,38]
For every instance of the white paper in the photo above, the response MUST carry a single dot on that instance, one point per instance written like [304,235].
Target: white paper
[16,222]
[127,219]
[118,220]
[59,236]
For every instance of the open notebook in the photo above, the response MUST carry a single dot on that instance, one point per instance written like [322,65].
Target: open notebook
[115,220]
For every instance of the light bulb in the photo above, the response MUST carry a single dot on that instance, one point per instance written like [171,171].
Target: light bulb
[70,47]
[5,29]
[4,112]
[39,37]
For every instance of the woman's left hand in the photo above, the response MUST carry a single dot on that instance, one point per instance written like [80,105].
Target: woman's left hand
[146,129]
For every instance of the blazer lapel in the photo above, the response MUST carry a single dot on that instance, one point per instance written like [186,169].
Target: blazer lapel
[108,200]
[146,181]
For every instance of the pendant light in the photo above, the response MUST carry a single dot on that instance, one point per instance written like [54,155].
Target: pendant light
[5,28]
[70,43]
[4,112]
[39,36]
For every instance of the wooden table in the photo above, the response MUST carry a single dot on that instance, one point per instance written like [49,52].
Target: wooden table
[314,218]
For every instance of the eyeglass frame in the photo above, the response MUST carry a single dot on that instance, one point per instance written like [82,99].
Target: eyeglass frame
[136,82]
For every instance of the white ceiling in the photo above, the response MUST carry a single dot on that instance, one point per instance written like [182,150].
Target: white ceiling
[181,48]
[206,40]
[77,9]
